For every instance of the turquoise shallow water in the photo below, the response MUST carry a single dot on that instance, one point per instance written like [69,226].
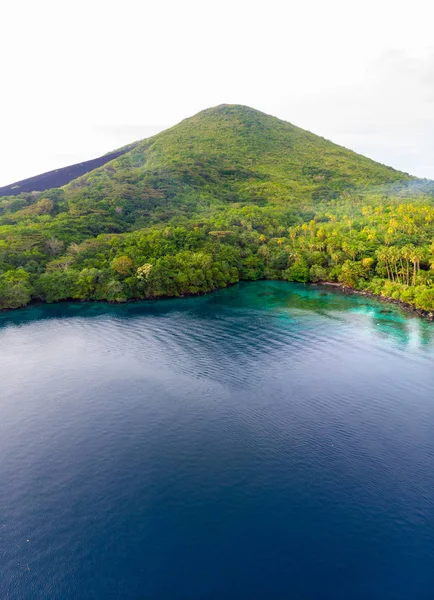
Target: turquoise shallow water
[266,441]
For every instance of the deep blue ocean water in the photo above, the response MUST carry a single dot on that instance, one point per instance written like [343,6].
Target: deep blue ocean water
[267,441]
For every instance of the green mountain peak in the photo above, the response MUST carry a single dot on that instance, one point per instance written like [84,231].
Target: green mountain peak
[230,193]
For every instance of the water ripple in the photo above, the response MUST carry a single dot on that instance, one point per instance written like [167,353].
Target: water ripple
[263,442]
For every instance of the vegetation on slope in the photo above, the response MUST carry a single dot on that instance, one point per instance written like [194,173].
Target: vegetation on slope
[229,194]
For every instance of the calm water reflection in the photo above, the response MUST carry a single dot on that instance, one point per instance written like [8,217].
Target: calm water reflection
[266,441]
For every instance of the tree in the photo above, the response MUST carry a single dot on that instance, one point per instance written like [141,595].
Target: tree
[425,299]
[144,271]
[123,265]
[56,285]
[54,246]
[416,257]
[15,289]
[317,273]
[299,271]
[351,273]
[114,291]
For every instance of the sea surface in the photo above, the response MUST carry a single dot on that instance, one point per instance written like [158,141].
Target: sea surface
[267,441]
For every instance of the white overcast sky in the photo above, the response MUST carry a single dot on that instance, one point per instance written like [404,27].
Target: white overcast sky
[81,78]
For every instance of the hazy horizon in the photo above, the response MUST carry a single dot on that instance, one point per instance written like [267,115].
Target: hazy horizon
[87,79]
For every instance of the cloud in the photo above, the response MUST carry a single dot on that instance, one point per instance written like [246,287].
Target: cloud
[388,115]
[360,74]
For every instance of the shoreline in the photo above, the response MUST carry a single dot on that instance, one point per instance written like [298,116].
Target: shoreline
[347,290]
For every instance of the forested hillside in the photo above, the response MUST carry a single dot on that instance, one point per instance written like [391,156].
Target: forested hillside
[228,194]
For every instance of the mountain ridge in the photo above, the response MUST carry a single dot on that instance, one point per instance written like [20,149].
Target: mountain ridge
[62,176]
[229,194]
[58,177]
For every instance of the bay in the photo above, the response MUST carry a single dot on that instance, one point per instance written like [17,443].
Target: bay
[270,440]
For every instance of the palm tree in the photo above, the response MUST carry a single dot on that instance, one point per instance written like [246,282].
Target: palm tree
[416,257]
[383,258]
[407,253]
